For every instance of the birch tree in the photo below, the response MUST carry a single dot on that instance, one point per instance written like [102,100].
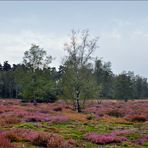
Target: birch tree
[78,79]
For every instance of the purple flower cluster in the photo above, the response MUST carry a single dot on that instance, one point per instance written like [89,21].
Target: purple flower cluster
[119,109]
[36,117]
[142,139]
[122,132]
[104,139]
[50,119]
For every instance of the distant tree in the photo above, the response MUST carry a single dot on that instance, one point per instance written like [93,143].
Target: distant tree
[77,79]
[104,77]
[34,76]
[140,87]
[7,81]
[1,67]
[36,58]
[123,86]
[6,66]
[41,89]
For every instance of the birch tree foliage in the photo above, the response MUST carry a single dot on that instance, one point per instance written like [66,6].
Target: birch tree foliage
[36,57]
[78,79]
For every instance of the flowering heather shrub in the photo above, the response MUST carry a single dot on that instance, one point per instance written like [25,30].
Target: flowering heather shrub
[145,136]
[90,117]
[10,102]
[114,120]
[115,113]
[5,120]
[58,119]
[20,134]
[1,111]
[70,143]
[44,111]
[12,136]
[118,108]
[57,109]
[21,113]
[137,118]
[4,109]
[40,117]
[4,142]
[52,141]
[104,139]
[14,112]
[76,117]
[142,139]
[56,141]
[51,106]
[122,132]
[70,107]
[41,139]
[36,117]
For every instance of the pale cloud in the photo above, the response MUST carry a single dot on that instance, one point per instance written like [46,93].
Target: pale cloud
[121,23]
[125,47]
[113,34]
[13,46]
[124,43]
[146,35]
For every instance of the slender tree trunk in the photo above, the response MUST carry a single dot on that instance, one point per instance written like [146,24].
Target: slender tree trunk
[16,92]
[125,100]
[10,96]
[34,82]
[34,102]
[78,108]
[84,100]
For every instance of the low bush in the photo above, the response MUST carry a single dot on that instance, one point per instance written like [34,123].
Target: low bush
[58,119]
[56,141]
[90,117]
[6,120]
[115,113]
[52,141]
[136,118]
[57,109]
[5,143]
[15,135]
[103,139]
[41,140]
[142,140]
[12,136]
[36,117]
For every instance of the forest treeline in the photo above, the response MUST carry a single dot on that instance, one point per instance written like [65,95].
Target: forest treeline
[80,76]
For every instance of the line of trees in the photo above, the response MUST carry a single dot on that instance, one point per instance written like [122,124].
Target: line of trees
[81,76]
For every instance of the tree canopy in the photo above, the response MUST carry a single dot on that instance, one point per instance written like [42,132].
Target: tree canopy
[80,77]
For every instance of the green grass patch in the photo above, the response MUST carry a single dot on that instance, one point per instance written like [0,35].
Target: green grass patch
[77,130]
[29,125]
[133,136]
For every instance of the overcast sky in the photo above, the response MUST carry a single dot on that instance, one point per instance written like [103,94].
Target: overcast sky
[122,28]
